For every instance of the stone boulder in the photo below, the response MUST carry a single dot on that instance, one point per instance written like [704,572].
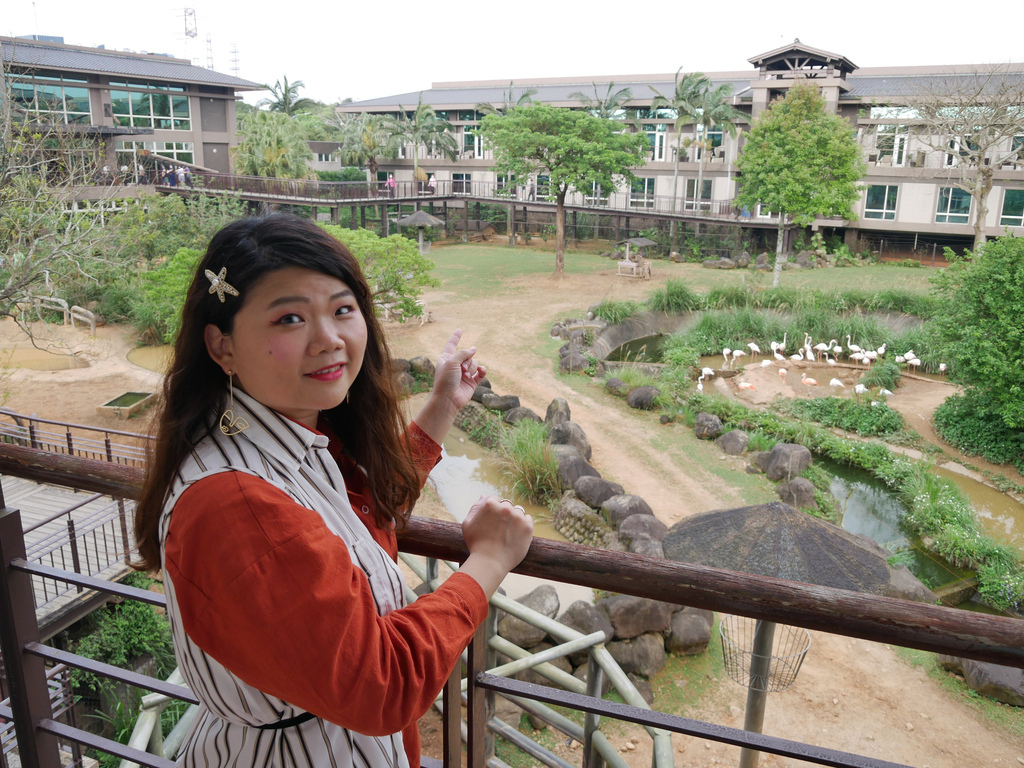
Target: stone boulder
[804,260]
[422,365]
[579,523]
[906,586]
[632,616]
[573,362]
[1005,684]
[617,508]
[594,491]
[646,546]
[762,262]
[571,465]
[643,687]
[643,655]
[642,398]
[398,365]
[565,349]
[558,412]
[543,599]
[734,443]
[556,330]
[642,526]
[480,391]
[707,426]
[616,387]
[499,402]
[480,423]
[689,632]
[743,260]
[405,382]
[587,619]
[798,492]
[515,415]
[570,433]
[784,461]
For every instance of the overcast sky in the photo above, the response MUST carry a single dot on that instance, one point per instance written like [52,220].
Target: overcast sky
[363,50]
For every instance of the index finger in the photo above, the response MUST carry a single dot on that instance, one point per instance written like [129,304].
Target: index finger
[453,342]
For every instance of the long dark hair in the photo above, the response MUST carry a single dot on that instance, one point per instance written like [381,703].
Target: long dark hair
[370,422]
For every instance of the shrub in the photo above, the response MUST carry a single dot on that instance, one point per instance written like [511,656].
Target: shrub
[971,423]
[529,463]
[885,375]
[848,415]
[674,298]
[156,309]
[614,312]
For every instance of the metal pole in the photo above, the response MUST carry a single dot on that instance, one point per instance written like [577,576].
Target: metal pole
[595,678]
[757,695]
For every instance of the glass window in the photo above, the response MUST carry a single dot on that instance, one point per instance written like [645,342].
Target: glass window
[881,202]
[1013,208]
[954,206]
[462,183]
[642,193]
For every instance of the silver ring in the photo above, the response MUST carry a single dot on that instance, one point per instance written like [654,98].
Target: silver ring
[507,501]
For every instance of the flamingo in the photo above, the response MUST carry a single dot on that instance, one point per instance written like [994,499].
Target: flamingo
[884,392]
[821,349]
[909,354]
[830,360]
[913,362]
[709,372]
[782,373]
[837,383]
[870,356]
[746,385]
[881,351]
[725,353]
[754,349]
[700,383]
[807,382]
[736,353]
[798,356]
[851,347]
[780,357]
[782,344]
[900,359]
[837,351]
[860,389]
[942,369]
[858,356]
[766,363]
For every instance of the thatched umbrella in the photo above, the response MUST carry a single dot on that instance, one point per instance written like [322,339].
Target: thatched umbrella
[778,541]
[420,219]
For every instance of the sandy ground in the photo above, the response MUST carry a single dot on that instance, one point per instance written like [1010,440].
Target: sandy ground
[850,695]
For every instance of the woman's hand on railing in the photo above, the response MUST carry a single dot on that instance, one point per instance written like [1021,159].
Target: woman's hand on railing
[498,536]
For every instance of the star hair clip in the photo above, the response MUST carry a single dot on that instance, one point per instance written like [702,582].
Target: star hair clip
[219,285]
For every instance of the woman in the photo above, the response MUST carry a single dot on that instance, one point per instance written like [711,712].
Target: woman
[281,471]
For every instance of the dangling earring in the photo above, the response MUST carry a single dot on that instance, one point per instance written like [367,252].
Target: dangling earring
[230,425]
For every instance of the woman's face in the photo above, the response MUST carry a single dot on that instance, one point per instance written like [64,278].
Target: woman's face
[297,344]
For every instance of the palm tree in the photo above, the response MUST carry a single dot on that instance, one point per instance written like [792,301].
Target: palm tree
[365,138]
[714,109]
[510,102]
[272,146]
[286,97]
[425,128]
[607,106]
[685,101]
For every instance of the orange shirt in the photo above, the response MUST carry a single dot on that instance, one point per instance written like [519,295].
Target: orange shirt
[268,591]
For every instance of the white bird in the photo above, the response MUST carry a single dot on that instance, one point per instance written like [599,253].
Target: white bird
[942,369]
[881,351]
[851,347]
[746,385]
[858,356]
[837,351]
[709,372]
[885,392]
[798,356]
[737,353]
[782,344]
[780,358]
[754,349]
[913,362]
[837,383]
[807,382]
[830,360]
[870,356]
[700,383]
[860,389]
[900,359]
[909,354]
[766,363]
[725,353]
[782,373]
[821,349]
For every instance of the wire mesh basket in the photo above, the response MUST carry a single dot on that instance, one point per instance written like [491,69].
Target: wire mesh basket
[789,647]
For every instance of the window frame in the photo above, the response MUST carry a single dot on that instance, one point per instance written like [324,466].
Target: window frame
[886,212]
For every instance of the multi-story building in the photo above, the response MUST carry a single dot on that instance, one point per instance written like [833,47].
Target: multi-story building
[910,192]
[136,106]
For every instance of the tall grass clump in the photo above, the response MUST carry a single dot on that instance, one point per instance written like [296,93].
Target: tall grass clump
[848,415]
[674,298]
[614,311]
[885,374]
[527,461]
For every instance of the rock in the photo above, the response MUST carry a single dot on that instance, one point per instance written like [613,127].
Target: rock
[579,523]
[710,264]
[480,391]
[574,362]
[558,412]
[689,632]
[577,335]
[726,264]
[707,426]
[643,655]
[617,508]
[643,687]
[645,545]
[543,599]
[633,616]
[642,398]
[507,712]
[405,382]
[734,443]
[616,387]
[556,330]
[743,260]
[399,365]
[515,415]
[1002,683]
[642,525]
[422,365]
[762,262]
[581,673]
[665,419]
[499,402]
[587,619]
[571,465]
[594,491]
[798,492]
[565,349]
[905,585]
[570,433]
[785,461]
[804,260]
[485,382]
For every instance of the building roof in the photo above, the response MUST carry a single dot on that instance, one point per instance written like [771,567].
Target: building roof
[35,54]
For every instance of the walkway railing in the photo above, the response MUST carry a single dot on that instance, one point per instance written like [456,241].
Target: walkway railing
[73,439]
[879,619]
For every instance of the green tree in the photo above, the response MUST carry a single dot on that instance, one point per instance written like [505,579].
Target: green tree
[424,128]
[980,329]
[285,98]
[367,138]
[713,110]
[684,102]
[609,106]
[394,267]
[574,148]
[509,102]
[800,161]
[272,145]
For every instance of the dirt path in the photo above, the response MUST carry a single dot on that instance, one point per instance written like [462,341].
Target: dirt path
[850,695]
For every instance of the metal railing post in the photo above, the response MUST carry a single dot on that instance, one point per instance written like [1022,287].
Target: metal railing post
[476,700]
[595,680]
[26,674]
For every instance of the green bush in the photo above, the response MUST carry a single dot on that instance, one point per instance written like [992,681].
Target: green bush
[614,312]
[156,307]
[848,415]
[529,463]
[884,375]
[971,424]
[674,298]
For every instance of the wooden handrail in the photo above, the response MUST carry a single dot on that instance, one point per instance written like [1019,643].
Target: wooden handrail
[869,617]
